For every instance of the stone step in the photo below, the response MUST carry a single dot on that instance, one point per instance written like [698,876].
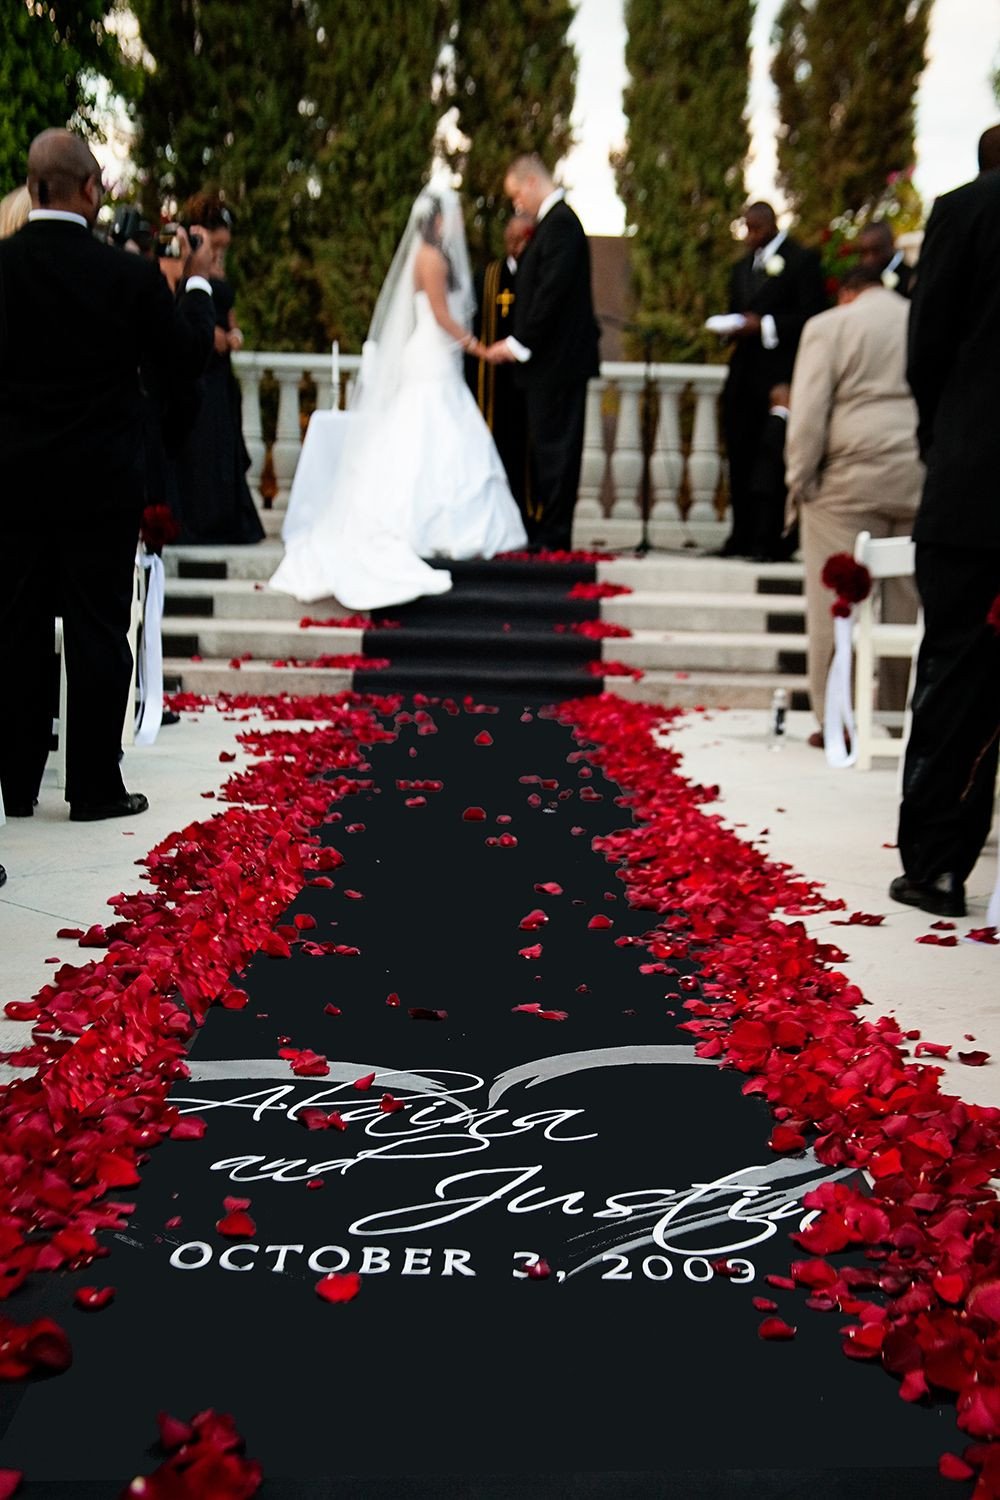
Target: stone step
[646,609]
[682,609]
[257,560]
[690,573]
[712,689]
[684,689]
[259,679]
[709,650]
[682,650]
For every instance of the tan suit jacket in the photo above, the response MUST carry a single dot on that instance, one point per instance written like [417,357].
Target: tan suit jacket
[851,461]
[852,430]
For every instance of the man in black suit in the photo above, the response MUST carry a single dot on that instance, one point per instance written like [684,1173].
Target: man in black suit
[953,370]
[77,318]
[554,344]
[877,252]
[775,288]
[499,399]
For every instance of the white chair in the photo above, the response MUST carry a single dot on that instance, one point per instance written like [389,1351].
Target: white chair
[58,757]
[885,557]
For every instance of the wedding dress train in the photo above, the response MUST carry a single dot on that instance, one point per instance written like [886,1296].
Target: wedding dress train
[419,478]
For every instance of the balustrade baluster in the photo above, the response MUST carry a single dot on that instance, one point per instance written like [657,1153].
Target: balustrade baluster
[666,462]
[705,459]
[626,460]
[594,457]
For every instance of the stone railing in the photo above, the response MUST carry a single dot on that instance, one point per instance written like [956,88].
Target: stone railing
[670,414]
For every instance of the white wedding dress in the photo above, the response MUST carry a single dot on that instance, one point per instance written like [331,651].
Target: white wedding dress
[420,477]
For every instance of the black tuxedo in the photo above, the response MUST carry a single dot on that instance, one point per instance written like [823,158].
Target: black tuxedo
[554,318]
[77,318]
[954,372]
[790,298]
[499,398]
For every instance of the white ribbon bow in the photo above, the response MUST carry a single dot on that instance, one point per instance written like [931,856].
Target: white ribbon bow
[839,735]
[150,664]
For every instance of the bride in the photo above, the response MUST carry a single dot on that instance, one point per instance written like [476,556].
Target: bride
[420,475]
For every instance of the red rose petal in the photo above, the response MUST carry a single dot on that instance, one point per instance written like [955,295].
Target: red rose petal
[776,1329]
[365,1083]
[952,1467]
[389,1105]
[173,1433]
[600,921]
[237,1226]
[421,1013]
[93,1298]
[533,920]
[483,738]
[474,815]
[339,1286]
[549,888]
[535,951]
[538,1270]
[10,1482]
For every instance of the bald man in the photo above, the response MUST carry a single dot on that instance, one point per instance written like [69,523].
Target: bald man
[877,252]
[76,320]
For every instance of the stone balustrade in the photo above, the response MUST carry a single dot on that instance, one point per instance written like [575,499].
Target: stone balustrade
[670,413]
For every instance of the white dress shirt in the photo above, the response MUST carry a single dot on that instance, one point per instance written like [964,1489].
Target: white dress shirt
[520,353]
[768,327]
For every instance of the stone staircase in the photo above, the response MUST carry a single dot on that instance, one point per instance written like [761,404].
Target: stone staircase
[710,631]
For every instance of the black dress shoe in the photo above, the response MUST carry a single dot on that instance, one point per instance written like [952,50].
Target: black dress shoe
[169,716]
[94,812]
[20,809]
[3,875]
[943,897]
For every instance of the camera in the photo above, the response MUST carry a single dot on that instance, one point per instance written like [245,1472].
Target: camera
[168,245]
[128,225]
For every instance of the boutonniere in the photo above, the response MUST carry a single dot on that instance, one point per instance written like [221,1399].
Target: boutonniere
[775,265]
[890,280]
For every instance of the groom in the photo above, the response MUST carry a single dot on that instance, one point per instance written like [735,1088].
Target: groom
[554,346]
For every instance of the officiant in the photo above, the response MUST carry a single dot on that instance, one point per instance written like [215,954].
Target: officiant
[499,399]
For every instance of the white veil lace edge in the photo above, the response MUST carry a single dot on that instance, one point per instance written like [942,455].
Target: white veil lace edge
[394,317]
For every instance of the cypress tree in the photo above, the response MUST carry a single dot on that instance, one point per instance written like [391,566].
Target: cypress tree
[221,109]
[680,175]
[373,102]
[846,73]
[52,55]
[514,83]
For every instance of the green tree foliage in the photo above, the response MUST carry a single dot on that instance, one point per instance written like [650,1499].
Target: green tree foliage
[316,119]
[373,102]
[220,107]
[680,175]
[53,54]
[514,83]
[846,73]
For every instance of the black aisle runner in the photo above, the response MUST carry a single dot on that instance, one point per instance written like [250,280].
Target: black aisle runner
[598,1143]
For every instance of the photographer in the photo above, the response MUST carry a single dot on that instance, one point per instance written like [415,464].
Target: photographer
[211,468]
[77,320]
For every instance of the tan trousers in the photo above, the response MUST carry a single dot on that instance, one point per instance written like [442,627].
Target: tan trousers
[828,526]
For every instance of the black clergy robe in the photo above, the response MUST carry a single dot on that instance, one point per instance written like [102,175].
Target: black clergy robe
[498,398]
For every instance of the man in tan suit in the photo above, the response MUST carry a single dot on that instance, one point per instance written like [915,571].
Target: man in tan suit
[852,459]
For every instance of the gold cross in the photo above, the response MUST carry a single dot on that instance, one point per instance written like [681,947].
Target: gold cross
[505,302]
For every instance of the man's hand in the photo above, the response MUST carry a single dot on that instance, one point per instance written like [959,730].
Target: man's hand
[500,353]
[200,262]
[751,327]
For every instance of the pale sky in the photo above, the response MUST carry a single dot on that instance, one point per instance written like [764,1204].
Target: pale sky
[955,102]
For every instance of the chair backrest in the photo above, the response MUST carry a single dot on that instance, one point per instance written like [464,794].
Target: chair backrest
[886,557]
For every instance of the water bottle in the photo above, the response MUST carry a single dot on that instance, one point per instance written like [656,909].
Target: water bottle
[779,713]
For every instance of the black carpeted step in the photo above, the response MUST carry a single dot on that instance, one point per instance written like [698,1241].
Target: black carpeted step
[496,606]
[517,571]
[485,646]
[483,677]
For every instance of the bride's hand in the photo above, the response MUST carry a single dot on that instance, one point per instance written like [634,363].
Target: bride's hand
[473,347]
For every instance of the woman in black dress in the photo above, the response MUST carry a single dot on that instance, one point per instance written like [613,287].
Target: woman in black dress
[212,495]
